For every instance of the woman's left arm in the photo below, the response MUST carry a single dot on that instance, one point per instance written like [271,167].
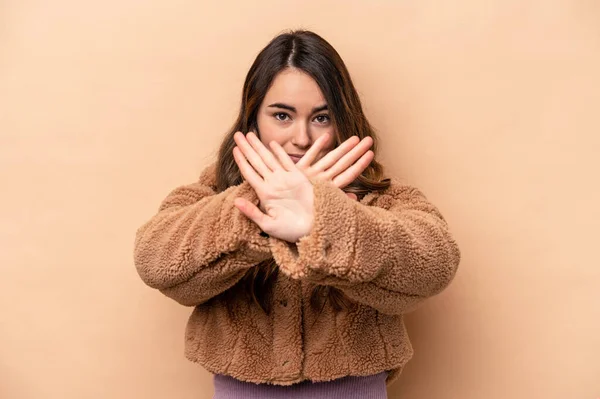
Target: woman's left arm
[390,256]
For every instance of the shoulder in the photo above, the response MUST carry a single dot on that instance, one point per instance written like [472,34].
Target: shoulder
[398,190]
[194,192]
[208,176]
[401,196]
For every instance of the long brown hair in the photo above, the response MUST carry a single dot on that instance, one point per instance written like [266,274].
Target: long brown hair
[310,53]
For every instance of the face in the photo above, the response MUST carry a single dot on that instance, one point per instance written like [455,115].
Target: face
[294,113]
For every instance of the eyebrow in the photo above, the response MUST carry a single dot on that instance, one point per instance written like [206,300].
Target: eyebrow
[293,109]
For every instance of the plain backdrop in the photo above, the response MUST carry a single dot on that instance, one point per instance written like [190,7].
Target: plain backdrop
[490,107]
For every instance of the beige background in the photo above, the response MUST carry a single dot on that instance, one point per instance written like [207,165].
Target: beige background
[491,107]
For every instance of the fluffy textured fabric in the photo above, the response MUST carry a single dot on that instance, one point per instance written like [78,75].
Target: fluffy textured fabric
[387,254]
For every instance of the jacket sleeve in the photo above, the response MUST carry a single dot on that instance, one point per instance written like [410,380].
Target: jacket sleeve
[390,256]
[199,244]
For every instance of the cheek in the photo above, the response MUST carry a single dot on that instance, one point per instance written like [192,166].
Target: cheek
[329,145]
[268,132]
[331,141]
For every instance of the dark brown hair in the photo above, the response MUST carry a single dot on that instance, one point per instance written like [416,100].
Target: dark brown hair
[310,53]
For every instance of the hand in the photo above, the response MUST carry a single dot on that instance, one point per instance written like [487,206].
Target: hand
[340,166]
[285,193]
[352,196]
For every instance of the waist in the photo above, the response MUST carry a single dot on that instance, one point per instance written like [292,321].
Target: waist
[367,387]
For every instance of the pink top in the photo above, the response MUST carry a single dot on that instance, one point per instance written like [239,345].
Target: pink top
[369,387]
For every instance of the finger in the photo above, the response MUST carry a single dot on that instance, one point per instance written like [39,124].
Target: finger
[266,155]
[251,211]
[255,180]
[313,152]
[333,156]
[352,196]
[283,157]
[349,158]
[350,174]
[251,155]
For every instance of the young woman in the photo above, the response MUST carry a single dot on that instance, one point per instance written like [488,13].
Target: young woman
[298,256]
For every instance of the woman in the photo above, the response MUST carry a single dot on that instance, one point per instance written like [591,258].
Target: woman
[298,257]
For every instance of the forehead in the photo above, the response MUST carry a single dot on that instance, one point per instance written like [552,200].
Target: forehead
[296,88]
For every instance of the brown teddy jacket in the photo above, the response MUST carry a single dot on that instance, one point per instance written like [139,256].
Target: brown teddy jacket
[386,253]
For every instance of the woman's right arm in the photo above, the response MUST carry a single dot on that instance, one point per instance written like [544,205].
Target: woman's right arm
[199,244]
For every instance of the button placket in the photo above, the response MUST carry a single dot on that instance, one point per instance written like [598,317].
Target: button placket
[288,345]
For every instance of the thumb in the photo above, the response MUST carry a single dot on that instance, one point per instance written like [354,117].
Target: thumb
[251,211]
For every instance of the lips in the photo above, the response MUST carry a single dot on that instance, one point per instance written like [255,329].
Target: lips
[295,157]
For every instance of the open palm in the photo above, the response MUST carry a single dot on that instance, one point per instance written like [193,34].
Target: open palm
[285,193]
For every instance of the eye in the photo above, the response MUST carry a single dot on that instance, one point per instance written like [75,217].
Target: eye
[322,119]
[281,116]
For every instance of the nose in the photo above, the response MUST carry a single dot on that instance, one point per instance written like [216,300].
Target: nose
[301,136]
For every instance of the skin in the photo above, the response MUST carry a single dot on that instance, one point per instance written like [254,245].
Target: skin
[293,119]
[294,114]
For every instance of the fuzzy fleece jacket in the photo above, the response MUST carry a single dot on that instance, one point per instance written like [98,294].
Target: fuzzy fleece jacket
[387,254]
